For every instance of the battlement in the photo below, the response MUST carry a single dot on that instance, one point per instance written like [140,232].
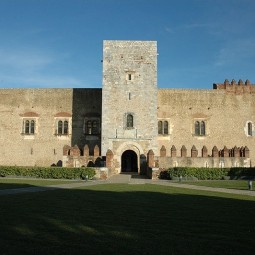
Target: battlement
[239,87]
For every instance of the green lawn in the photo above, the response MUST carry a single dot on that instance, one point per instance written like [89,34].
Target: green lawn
[233,184]
[127,219]
[6,183]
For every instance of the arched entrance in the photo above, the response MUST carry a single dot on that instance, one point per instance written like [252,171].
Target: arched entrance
[129,161]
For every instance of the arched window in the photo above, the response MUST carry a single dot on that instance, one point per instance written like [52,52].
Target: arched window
[160,129]
[89,127]
[62,127]
[249,128]
[60,123]
[27,124]
[29,127]
[94,127]
[202,128]
[65,127]
[197,128]
[165,127]
[130,121]
[32,127]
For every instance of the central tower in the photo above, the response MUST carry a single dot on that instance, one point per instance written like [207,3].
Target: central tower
[129,102]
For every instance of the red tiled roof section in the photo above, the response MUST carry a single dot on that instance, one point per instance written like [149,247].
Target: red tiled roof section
[29,114]
[63,114]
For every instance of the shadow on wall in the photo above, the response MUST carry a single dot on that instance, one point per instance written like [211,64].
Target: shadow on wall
[87,103]
[59,163]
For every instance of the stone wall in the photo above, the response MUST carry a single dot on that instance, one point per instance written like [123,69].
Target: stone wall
[45,107]
[226,117]
[129,88]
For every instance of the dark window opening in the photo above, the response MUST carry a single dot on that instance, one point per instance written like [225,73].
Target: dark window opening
[250,129]
[163,127]
[62,127]
[130,121]
[160,130]
[92,127]
[200,128]
[29,127]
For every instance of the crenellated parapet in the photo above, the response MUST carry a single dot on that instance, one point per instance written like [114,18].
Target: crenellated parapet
[239,87]
[76,157]
[235,152]
[215,157]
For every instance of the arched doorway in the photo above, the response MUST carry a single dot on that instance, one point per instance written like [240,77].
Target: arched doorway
[129,161]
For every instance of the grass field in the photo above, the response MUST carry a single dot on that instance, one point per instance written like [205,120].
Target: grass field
[233,184]
[6,183]
[127,219]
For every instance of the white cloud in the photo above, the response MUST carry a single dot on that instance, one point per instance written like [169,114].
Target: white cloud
[33,68]
[24,59]
[168,29]
[199,25]
[236,51]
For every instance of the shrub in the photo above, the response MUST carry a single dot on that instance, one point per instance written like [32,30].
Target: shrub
[206,173]
[48,172]
[242,171]
[199,173]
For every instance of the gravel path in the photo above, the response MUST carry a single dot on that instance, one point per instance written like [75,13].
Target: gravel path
[128,179]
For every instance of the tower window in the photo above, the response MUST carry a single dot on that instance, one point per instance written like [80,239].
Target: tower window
[163,127]
[200,128]
[130,121]
[129,77]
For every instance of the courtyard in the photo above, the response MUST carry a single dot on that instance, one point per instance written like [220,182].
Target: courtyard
[130,218]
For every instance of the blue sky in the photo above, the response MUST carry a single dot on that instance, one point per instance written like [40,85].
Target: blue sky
[58,43]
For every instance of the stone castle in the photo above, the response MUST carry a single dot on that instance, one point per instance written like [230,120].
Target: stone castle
[129,124]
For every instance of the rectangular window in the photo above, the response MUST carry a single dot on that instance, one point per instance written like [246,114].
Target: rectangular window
[199,128]
[62,127]
[28,127]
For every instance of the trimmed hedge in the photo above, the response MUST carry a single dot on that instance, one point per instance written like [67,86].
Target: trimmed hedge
[48,172]
[200,173]
[206,173]
[242,171]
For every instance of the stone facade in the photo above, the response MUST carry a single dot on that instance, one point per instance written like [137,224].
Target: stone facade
[129,118]
[129,124]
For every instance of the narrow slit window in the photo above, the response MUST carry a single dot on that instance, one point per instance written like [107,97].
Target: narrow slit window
[250,129]
[27,124]
[94,127]
[202,130]
[65,127]
[130,121]
[197,128]
[165,127]
[160,130]
[60,123]
[89,127]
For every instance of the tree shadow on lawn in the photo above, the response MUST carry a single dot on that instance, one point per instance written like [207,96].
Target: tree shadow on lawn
[4,186]
[126,219]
